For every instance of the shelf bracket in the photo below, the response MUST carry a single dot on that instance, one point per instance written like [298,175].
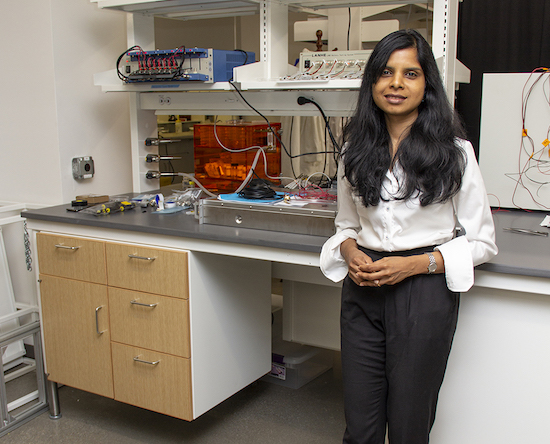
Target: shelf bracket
[273,56]
[444,44]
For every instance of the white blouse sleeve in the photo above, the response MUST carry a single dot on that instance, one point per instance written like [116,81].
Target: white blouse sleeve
[347,224]
[473,213]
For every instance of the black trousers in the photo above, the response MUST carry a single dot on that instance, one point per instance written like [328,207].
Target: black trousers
[395,343]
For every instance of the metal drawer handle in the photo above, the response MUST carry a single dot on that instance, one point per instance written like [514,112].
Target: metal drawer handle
[97,321]
[135,256]
[135,302]
[66,247]
[136,358]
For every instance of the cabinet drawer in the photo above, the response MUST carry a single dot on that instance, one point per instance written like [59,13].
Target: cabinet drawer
[162,383]
[151,270]
[71,257]
[150,321]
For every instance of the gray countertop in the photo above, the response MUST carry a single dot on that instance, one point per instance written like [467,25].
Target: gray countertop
[520,254]
[146,220]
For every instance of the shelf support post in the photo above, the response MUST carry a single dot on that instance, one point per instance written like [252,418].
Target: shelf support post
[140,30]
[274,39]
[444,36]
[143,123]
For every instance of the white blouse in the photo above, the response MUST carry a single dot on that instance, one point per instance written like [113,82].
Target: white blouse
[397,225]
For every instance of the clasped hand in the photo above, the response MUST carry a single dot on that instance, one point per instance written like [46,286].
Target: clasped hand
[386,271]
[368,273]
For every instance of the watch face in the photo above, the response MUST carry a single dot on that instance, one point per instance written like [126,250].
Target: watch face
[432,266]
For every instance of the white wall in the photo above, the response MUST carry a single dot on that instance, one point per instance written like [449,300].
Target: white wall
[50,111]
[28,121]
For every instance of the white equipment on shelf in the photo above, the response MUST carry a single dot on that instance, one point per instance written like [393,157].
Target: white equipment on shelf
[329,65]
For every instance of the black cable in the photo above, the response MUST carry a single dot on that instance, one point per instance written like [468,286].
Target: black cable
[170,164]
[290,147]
[260,114]
[336,155]
[173,171]
[120,75]
[245,59]
[314,153]
[302,101]
[245,55]
[257,189]
[275,132]
[349,24]
[326,154]
[179,72]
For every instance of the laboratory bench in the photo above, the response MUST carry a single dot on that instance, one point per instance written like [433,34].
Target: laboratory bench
[216,280]
[179,224]
[519,254]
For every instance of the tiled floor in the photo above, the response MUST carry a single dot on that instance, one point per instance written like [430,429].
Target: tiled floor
[263,413]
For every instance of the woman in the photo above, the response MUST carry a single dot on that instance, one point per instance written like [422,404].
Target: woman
[407,181]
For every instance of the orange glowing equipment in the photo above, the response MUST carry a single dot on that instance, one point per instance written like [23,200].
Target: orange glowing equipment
[220,170]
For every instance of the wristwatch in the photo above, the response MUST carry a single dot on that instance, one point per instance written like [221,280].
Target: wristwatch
[432,266]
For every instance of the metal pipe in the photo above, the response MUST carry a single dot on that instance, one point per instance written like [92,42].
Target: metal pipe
[53,399]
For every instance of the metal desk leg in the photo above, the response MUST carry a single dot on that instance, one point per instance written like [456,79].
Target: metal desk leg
[53,399]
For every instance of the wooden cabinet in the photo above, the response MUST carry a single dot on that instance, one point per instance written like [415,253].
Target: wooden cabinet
[109,338]
[156,326]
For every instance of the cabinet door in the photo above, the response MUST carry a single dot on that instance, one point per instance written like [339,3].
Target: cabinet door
[150,321]
[71,257]
[152,270]
[152,380]
[75,320]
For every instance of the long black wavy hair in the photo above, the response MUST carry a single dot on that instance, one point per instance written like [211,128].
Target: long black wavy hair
[429,155]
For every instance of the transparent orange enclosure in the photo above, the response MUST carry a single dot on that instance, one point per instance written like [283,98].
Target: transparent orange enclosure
[220,170]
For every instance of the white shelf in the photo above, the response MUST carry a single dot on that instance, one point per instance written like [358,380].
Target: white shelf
[195,9]
[335,103]
[109,82]
[303,85]
[262,75]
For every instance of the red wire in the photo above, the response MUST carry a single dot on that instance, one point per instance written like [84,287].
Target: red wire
[522,170]
[315,192]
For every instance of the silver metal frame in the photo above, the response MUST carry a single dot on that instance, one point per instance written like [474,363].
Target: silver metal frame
[8,420]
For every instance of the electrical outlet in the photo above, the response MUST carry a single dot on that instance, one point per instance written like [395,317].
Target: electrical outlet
[83,167]
[163,100]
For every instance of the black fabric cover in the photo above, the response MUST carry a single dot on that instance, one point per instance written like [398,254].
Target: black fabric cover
[498,36]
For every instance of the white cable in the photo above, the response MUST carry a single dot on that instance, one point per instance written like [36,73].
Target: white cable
[254,163]
[250,172]
[226,148]
[314,174]
[189,176]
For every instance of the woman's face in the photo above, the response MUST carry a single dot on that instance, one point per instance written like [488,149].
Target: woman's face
[400,88]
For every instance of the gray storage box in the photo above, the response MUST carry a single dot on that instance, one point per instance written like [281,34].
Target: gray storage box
[294,365]
[314,218]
